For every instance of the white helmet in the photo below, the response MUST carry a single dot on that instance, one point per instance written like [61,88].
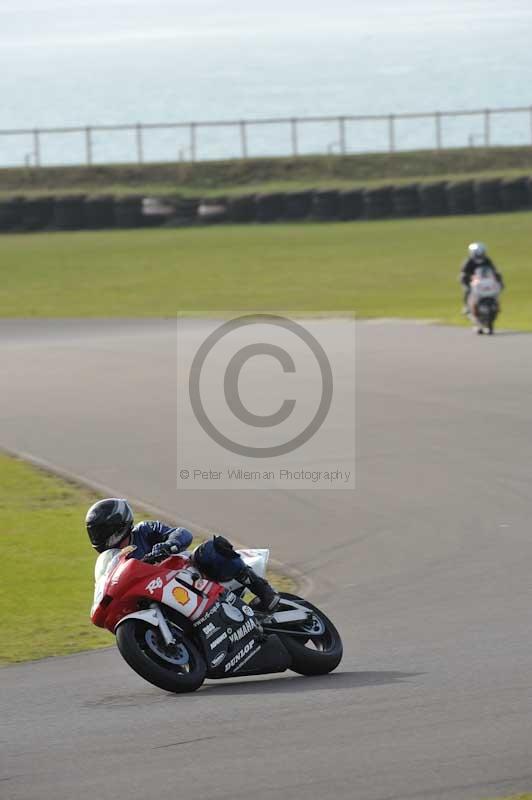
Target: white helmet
[477,251]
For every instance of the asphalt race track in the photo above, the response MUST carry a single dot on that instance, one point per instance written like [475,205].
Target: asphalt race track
[425,568]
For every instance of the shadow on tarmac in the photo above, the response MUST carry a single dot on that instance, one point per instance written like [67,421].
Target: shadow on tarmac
[294,683]
[512,333]
[278,684]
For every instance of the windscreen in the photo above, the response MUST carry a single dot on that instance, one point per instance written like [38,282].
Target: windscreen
[106,562]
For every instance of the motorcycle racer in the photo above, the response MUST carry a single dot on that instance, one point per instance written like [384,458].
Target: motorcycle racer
[110,524]
[477,257]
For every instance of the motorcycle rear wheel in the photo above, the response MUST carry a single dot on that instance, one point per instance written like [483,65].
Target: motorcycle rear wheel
[178,669]
[318,654]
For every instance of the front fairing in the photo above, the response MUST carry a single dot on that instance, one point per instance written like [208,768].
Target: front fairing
[106,563]
[123,583]
[484,283]
[110,569]
[485,287]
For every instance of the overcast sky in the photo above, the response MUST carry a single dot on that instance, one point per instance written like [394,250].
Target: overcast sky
[84,21]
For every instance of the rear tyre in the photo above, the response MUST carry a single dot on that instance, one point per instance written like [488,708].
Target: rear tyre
[178,668]
[322,651]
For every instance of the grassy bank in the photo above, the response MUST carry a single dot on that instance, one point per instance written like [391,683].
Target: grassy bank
[47,583]
[269,174]
[517,797]
[46,589]
[395,268]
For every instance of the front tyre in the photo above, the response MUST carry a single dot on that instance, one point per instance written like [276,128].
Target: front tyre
[322,651]
[178,668]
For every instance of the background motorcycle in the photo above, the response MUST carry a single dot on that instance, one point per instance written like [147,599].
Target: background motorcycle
[483,301]
[175,628]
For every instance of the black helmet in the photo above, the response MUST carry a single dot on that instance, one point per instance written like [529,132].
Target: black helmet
[108,521]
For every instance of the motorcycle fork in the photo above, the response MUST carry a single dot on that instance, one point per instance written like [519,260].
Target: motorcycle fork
[163,625]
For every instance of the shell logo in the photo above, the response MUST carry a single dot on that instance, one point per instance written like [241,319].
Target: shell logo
[181,595]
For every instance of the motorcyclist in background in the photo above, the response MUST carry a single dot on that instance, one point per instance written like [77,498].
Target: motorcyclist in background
[110,524]
[477,257]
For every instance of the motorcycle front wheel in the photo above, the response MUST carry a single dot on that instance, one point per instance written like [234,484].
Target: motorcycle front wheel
[319,652]
[176,668]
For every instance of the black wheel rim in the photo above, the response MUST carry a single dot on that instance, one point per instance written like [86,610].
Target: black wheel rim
[176,656]
[320,638]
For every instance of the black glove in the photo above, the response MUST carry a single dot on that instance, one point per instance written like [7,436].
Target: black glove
[159,551]
[224,547]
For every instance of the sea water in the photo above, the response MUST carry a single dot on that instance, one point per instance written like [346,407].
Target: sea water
[90,62]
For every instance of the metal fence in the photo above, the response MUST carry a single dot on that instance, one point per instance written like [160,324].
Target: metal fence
[342,136]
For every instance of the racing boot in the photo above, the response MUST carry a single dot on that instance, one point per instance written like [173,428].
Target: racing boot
[266,594]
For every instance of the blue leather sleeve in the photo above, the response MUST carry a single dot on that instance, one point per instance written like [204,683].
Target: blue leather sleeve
[146,534]
[179,536]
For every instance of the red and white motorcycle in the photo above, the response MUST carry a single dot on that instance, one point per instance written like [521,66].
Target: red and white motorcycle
[483,301]
[175,628]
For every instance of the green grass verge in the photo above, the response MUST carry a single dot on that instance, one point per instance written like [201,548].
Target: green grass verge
[399,268]
[46,589]
[176,191]
[184,190]
[517,797]
[48,577]
[269,174]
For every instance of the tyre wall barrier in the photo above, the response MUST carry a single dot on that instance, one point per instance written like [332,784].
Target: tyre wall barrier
[461,197]
[128,211]
[100,212]
[351,204]
[69,213]
[213,209]
[12,214]
[298,205]
[157,211]
[433,199]
[242,208]
[270,207]
[77,212]
[515,194]
[325,205]
[488,197]
[38,213]
[406,200]
[186,210]
[378,203]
